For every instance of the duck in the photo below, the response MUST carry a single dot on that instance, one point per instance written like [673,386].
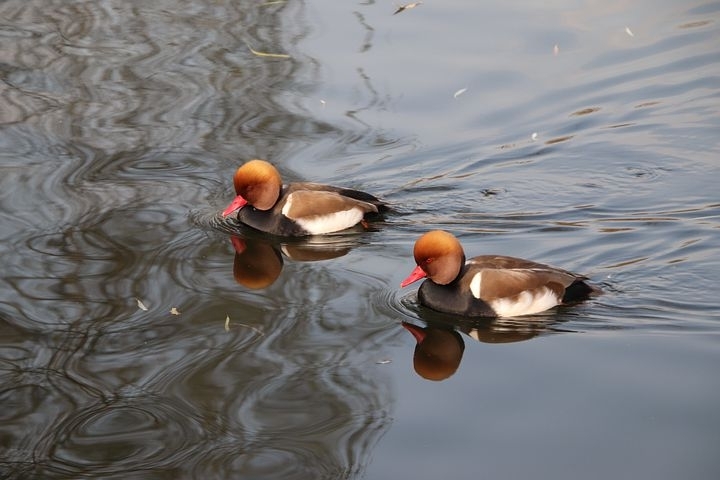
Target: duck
[297,209]
[488,285]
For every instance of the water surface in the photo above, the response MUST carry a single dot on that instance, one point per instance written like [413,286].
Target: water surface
[136,344]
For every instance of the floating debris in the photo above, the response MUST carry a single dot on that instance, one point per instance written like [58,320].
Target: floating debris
[585,111]
[141,305]
[256,330]
[629,32]
[555,140]
[322,102]
[534,136]
[264,54]
[383,362]
[174,311]
[459,92]
[407,6]
[556,50]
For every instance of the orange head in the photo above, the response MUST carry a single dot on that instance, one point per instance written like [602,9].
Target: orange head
[439,256]
[257,183]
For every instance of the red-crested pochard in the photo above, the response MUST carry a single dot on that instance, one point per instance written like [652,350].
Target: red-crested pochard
[488,285]
[297,209]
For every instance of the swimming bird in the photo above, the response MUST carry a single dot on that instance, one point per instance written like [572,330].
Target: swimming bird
[296,209]
[488,285]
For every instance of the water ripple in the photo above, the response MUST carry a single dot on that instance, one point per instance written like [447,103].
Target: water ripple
[123,436]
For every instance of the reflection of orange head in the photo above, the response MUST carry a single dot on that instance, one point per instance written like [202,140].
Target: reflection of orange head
[256,265]
[438,352]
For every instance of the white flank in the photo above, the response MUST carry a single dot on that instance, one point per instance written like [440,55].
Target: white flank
[475,285]
[332,222]
[526,303]
[288,204]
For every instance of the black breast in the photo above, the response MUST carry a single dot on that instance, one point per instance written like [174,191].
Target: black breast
[450,299]
[269,221]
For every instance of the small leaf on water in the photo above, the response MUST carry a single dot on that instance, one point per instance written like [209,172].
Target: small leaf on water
[266,54]
[174,311]
[407,6]
[227,323]
[141,305]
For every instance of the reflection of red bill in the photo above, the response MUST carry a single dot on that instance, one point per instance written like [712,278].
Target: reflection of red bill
[236,204]
[417,332]
[239,244]
[414,276]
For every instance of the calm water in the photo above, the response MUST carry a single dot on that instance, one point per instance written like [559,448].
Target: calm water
[135,343]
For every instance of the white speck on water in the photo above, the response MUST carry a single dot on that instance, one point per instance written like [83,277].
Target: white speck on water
[459,92]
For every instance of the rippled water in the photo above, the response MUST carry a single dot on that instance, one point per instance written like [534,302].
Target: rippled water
[136,342]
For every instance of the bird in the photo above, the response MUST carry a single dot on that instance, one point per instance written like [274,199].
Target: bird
[296,209]
[488,285]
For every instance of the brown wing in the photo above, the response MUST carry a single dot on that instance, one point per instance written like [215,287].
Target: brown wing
[503,261]
[315,203]
[508,283]
[505,277]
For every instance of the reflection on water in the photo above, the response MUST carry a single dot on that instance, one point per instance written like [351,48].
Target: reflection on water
[438,351]
[440,347]
[256,264]
[258,261]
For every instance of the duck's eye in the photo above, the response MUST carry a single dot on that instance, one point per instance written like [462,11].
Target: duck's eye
[429,260]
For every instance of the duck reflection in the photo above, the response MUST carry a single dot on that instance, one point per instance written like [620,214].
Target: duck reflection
[440,345]
[438,351]
[258,261]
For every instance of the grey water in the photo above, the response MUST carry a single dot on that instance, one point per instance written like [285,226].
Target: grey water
[135,342]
